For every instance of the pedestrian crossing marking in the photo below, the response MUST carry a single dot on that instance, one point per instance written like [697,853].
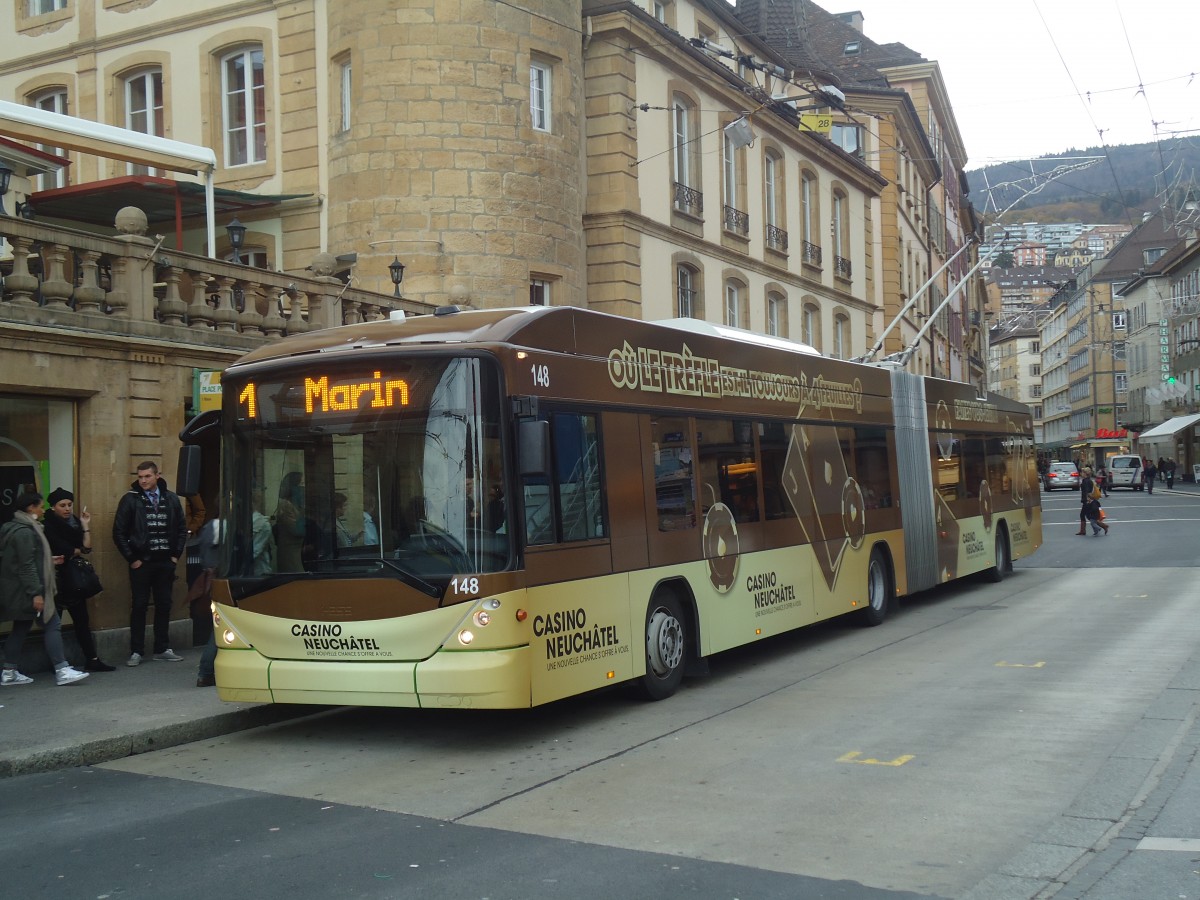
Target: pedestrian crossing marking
[1007,665]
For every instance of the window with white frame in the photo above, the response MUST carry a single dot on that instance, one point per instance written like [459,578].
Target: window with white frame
[848,137]
[684,124]
[660,11]
[1118,319]
[539,292]
[685,290]
[731,173]
[144,109]
[345,81]
[41,7]
[52,100]
[776,315]
[733,304]
[841,336]
[540,94]
[810,327]
[244,91]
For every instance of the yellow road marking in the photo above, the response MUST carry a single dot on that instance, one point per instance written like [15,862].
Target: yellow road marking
[1007,665]
[852,757]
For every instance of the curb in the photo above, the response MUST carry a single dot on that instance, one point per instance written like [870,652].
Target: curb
[102,750]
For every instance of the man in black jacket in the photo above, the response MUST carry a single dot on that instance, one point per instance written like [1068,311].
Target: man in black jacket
[150,533]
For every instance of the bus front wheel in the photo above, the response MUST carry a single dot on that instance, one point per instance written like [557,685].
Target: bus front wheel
[879,587]
[666,648]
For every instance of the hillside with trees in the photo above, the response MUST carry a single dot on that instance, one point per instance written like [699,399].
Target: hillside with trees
[1126,181]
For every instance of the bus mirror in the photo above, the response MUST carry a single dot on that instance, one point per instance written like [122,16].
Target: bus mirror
[534,440]
[187,473]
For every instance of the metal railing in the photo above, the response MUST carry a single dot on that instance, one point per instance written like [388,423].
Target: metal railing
[689,200]
[810,253]
[777,239]
[842,268]
[737,221]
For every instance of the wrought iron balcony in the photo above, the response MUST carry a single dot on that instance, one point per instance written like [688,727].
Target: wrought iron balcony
[737,221]
[689,200]
[777,239]
[841,267]
[810,253]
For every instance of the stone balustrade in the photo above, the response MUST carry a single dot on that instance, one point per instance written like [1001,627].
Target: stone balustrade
[131,282]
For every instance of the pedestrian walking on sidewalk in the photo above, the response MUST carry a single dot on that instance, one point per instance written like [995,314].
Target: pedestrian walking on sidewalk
[70,536]
[1149,473]
[150,533]
[27,592]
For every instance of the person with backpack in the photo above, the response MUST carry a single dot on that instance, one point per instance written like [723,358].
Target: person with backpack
[27,587]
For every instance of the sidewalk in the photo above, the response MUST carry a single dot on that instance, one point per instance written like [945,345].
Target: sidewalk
[110,715]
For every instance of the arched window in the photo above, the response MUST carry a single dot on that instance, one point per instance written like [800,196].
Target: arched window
[774,206]
[244,106]
[144,109]
[841,336]
[51,100]
[810,325]
[685,156]
[810,218]
[687,293]
[777,323]
[840,232]
[737,313]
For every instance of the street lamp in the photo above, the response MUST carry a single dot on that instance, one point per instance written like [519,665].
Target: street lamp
[396,268]
[5,178]
[236,232]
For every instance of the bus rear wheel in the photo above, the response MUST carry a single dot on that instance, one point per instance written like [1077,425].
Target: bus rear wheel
[666,648]
[879,585]
[1003,560]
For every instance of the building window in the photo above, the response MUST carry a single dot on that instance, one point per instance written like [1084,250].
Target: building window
[244,89]
[775,215]
[1122,382]
[809,219]
[38,449]
[810,326]
[345,80]
[735,218]
[733,304]
[539,292]
[848,137]
[54,100]
[852,48]
[841,336]
[540,94]
[41,7]
[685,163]
[776,315]
[686,305]
[840,226]
[1035,369]
[660,10]
[144,109]
[1118,320]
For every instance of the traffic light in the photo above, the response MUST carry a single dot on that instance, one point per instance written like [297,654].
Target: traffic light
[1171,379]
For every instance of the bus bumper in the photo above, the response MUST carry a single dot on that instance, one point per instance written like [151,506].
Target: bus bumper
[500,680]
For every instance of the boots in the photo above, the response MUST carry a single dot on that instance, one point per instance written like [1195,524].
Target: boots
[1081,530]
[1105,527]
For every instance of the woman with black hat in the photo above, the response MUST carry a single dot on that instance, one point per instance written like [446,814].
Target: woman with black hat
[71,536]
[27,592]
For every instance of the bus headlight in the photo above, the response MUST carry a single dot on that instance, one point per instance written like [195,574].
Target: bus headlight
[465,637]
[482,617]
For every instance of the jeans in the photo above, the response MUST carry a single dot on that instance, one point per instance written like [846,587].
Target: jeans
[51,637]
[208,657]
[153,580]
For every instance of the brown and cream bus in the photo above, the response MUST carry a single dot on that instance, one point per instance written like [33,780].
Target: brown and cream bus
[503,508]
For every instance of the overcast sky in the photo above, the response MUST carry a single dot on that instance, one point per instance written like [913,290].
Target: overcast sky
[1019,71]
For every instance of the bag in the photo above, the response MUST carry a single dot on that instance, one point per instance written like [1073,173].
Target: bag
[201,588]
[1092,510]
[80,580]
[1095,494]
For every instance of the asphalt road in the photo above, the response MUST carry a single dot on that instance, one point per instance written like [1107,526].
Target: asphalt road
[917,759]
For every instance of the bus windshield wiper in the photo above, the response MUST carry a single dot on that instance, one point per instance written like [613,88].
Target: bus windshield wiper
[407,576]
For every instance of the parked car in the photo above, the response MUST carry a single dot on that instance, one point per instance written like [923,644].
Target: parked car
[1126,471]
[1061,475]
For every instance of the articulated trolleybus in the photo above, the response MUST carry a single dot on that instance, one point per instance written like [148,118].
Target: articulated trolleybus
[503,508]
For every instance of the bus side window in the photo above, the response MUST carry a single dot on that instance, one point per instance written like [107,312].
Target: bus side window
[674,479]
[773,445]
[569,505]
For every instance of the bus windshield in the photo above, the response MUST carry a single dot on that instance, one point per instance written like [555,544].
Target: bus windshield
[386,466]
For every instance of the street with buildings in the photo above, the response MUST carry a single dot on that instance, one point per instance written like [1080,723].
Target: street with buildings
[1034,738]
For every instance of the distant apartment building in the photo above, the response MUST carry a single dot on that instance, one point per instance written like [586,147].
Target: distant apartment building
[1015,364]
[1021,288]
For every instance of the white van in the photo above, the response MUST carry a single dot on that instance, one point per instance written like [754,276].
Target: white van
[1125,471]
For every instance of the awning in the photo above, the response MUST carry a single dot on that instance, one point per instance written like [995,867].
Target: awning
[28,123]
[1169,428]
[163,200]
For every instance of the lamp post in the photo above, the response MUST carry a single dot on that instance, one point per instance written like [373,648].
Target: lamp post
[237,237]
[5,178]
[396,268]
